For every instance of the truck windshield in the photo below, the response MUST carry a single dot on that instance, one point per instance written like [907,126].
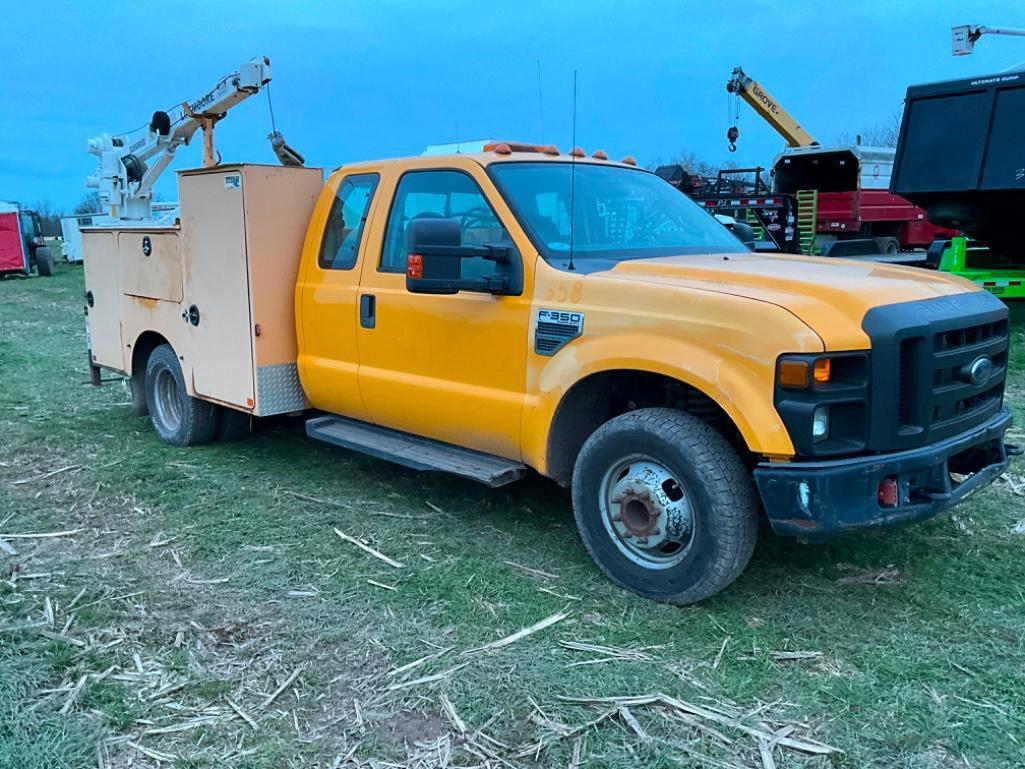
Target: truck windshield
[620,213]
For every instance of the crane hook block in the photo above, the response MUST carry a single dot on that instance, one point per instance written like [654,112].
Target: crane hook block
[285,154]
[732,134]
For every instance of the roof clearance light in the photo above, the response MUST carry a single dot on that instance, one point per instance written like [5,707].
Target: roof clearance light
[520,147]
[577,152]
[600,155]
[629,160]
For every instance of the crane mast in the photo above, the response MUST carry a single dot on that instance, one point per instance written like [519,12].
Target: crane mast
[127,170]
[768,108]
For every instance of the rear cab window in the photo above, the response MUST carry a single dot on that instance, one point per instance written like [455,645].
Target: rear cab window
[343,232]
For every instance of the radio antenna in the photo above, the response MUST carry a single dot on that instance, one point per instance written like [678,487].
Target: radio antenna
[540,102]
[573,176]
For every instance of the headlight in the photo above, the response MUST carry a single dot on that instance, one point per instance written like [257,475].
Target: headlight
[820,423]
[822,399]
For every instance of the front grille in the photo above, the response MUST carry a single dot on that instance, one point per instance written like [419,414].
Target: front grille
[935,394]
[922,351]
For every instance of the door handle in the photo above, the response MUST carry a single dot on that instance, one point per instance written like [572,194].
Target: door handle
[368,310]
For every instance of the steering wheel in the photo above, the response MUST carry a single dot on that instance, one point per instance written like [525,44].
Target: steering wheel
[477,217]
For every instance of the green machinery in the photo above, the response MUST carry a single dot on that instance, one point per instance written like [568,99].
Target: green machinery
[983,267]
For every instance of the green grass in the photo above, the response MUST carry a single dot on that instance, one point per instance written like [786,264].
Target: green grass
[921,669]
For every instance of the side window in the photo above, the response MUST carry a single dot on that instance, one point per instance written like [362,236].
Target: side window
[441,195]
[344,228]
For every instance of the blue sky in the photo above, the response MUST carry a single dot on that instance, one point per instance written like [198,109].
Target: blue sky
[357,80]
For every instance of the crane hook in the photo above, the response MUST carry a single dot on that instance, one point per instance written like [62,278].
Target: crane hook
[732,134]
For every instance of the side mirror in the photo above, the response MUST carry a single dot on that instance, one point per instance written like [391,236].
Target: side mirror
[436,259]
[745,233]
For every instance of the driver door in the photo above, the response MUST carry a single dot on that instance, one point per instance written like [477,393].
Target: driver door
[449,367]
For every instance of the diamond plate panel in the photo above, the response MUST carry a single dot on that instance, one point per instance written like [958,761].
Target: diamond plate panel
[278,390]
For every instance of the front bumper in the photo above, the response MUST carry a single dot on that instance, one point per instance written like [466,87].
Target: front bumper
[814,500]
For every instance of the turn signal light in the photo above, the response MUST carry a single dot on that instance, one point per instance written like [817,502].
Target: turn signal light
[822,371]
[793,373]
[414,266]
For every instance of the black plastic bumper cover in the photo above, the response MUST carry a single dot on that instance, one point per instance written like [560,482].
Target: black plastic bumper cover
[819,499]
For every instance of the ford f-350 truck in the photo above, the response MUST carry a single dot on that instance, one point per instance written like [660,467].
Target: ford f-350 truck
[483,314]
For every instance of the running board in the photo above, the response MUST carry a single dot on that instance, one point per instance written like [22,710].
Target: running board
[413,451]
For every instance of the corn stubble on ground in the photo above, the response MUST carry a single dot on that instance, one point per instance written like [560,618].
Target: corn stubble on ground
[276,603]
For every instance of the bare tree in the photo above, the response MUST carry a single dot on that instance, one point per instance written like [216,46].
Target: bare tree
[49,218]
[882,134]
[89,204]
[691,163]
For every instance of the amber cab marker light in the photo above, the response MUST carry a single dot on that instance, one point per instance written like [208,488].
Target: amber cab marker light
[629,160]
[415,266]
[577,152]
[822,371]
[502,149]
[600,155]
[793,373]
[551,149]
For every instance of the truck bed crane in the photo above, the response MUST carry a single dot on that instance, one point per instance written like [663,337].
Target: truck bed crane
[125,178]
[768,108]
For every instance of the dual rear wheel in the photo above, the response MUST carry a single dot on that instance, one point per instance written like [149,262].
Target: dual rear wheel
[178,418]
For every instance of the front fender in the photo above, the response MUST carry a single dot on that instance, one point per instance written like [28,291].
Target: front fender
[741,383]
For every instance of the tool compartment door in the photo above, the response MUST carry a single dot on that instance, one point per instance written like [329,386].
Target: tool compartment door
[103,298]
[219,352]
[150,264]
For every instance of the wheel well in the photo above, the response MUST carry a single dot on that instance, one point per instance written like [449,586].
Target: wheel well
[147,342]
[596,399]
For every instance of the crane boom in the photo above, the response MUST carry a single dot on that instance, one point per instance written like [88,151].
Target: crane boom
[125,179]
[768,108]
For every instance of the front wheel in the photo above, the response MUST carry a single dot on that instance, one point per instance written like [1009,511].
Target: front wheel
[665,505]
[178,418]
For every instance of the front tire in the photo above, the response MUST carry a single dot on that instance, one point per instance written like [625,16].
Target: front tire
[665,505]
[178,418]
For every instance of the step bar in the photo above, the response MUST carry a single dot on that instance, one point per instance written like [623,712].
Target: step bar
[414,451]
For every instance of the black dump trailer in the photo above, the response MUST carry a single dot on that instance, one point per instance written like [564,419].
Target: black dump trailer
[961,157]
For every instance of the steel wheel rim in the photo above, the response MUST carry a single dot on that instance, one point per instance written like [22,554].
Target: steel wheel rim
[647,512]
[168,400]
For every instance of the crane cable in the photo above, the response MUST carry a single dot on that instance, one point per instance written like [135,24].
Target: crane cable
[732,119]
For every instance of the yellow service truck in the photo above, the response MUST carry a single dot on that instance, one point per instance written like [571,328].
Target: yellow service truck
[485,314]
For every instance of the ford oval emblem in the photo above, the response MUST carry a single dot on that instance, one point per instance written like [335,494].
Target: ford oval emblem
[981,370]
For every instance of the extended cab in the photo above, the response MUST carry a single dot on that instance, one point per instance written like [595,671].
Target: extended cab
[484,314]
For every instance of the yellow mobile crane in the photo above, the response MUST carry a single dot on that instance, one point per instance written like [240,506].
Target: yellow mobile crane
[753,93]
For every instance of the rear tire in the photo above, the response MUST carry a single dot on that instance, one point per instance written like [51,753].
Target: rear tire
[178,418]
[888,246]
[665,506]
[44,261]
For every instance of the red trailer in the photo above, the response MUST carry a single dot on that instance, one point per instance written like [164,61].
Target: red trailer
[843,197]
[22,247]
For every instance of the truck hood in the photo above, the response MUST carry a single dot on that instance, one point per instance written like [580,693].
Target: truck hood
[831,296]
